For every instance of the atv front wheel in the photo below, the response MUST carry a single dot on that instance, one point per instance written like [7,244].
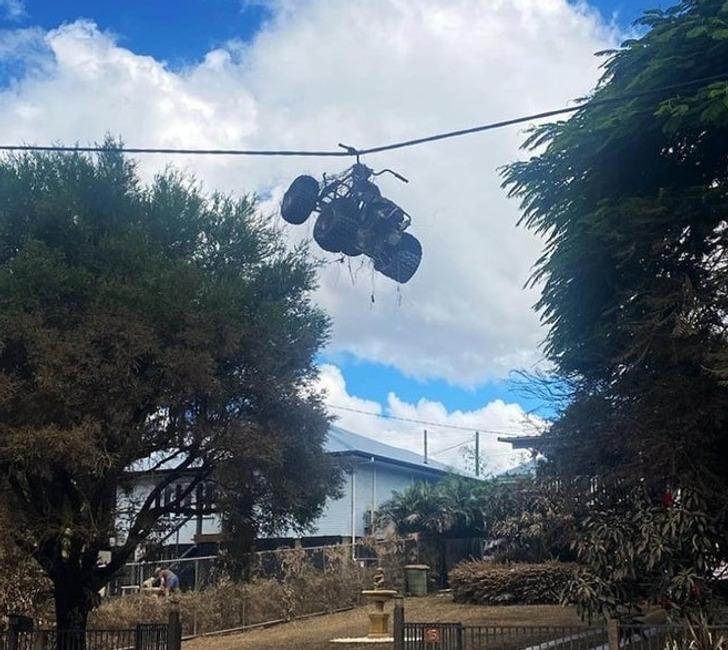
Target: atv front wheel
[336,228]
[300,199]
[399,262]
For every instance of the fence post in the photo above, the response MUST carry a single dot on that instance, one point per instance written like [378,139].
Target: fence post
[398,623]
[459,633]
[138,637]
[613,633]
[174,630]
[12,637]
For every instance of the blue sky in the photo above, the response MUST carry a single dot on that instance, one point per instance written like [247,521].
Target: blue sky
[444,346]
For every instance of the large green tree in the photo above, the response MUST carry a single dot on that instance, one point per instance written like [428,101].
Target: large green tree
[631,197]
[142,327]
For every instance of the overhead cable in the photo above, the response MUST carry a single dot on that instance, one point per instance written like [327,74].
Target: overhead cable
[353,151]
[427,422]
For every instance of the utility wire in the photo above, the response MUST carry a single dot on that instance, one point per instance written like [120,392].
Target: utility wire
[352,151]
[427,422]
[450,448]
[559,111]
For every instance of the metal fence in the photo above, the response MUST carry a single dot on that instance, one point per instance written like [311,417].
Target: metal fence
[456,636]
[142,637]
[196,573]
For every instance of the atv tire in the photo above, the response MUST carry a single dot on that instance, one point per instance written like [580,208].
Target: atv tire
[300,200]
[336,228]
[399,262]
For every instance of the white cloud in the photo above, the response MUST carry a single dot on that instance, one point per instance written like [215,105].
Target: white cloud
[12,9]
[362,73]
[493,420]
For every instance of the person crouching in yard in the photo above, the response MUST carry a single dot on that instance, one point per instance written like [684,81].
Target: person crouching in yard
[152,586]
[168,580]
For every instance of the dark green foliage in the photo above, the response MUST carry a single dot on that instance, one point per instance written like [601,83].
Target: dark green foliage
[147,326]
[451,507]
[531,519]
[637,550]
[487,583]
[632,201]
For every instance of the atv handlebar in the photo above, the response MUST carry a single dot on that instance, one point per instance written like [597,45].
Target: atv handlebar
[391,171]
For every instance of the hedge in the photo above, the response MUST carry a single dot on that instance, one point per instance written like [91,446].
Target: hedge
[487,583]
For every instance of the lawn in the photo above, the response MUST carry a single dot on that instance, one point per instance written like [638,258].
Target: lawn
[315,633]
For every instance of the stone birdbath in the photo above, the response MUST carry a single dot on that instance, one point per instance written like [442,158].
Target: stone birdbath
[378,619]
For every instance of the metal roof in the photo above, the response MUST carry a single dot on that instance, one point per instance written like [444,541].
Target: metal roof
[527,469]
[341,441]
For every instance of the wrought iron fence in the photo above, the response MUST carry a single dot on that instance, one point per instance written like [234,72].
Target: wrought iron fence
[142,637]
[455,636]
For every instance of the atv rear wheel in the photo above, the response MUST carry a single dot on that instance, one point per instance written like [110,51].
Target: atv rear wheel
[300,199]
[336,228]
[399,262]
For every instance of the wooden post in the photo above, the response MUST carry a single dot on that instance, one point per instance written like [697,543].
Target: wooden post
[398,624]
[174,630]
[613,633]
[12,637]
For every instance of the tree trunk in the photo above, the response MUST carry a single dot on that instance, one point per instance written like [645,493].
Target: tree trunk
[74,599]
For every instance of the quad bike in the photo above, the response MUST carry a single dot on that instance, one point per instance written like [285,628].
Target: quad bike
[354,218]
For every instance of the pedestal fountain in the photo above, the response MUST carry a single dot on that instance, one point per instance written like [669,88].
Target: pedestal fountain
[378,618]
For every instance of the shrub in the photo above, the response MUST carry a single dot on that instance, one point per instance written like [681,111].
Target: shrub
[486,583]
[298,588]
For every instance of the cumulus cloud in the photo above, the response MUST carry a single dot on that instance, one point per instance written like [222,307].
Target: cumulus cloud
[446,445]
[362,73]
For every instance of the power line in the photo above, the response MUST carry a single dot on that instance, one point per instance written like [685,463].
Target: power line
[451,447]
[559,111]
[427,422]
[352,151]
[168,150]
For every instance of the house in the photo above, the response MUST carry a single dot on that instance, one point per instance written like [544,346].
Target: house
[373,471]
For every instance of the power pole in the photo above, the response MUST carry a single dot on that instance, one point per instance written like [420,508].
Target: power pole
[477,453]
[425,444]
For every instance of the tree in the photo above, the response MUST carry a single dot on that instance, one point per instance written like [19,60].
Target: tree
[147,327]
[637,551]
[631,197]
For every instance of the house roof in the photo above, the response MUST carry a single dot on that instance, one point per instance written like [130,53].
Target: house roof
[524,470]
[340,441]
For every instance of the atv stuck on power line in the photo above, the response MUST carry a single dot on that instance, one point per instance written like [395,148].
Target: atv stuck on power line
[354,219]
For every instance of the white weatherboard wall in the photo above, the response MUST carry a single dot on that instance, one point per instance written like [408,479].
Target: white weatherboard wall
[373,482]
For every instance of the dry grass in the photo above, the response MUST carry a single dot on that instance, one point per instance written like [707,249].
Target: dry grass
[315,633]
